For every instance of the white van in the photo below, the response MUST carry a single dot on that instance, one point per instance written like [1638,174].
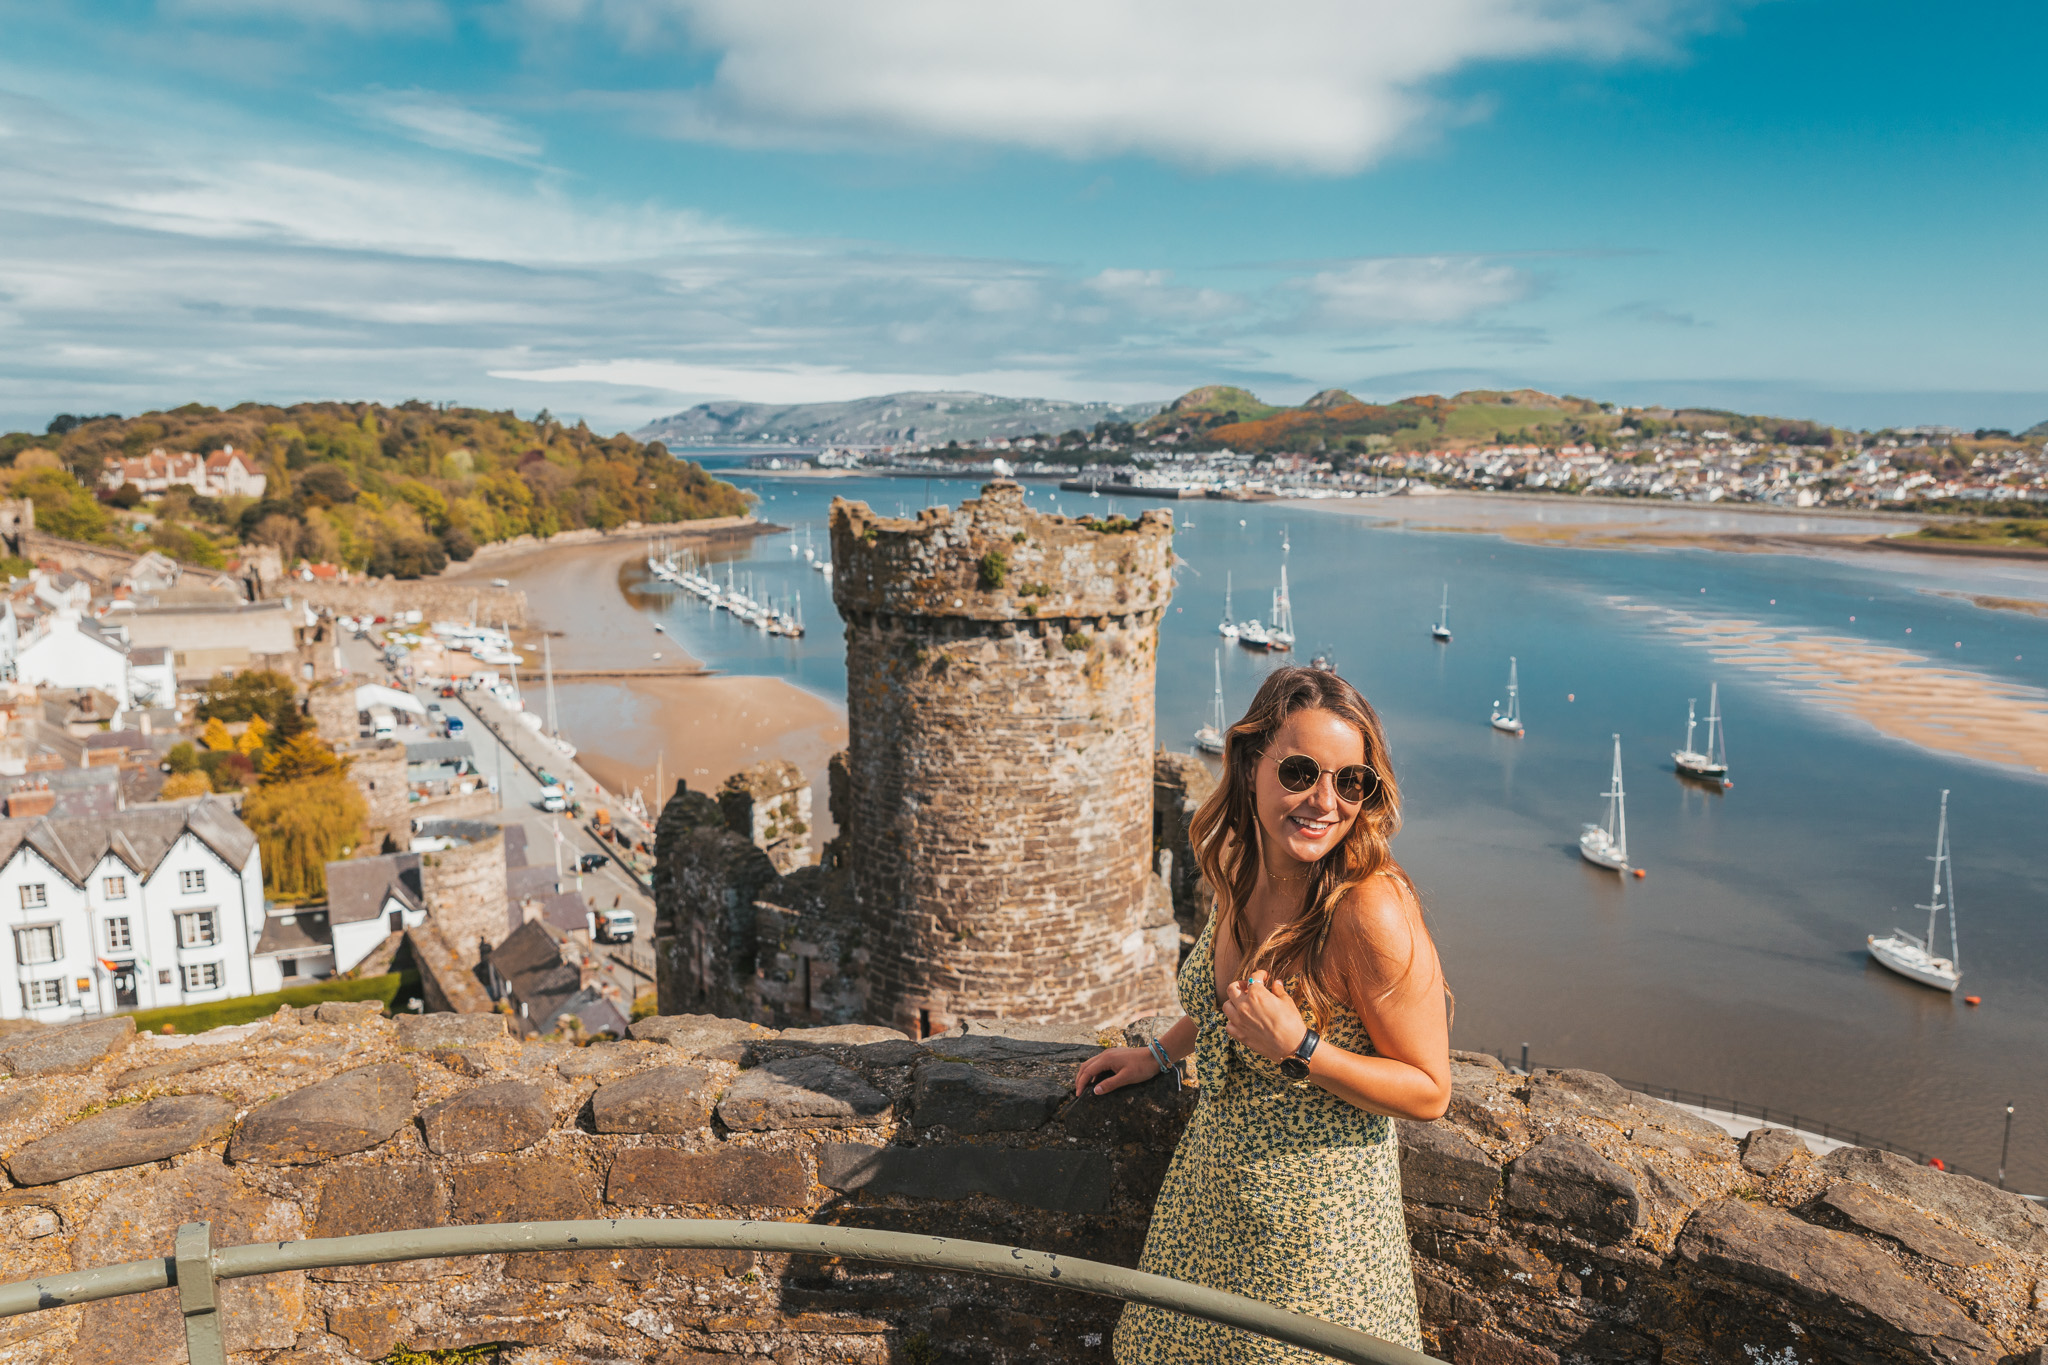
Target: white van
[383,724]
[553,799]
[615,926]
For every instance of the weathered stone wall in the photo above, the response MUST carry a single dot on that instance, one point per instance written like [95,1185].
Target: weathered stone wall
[1553,1218]
[466,893]
[1180,783]
[438,599]
[377,767]
[1621,1229]
[769,804]
[1000,666]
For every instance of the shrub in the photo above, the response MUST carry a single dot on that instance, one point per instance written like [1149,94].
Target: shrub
[994,566]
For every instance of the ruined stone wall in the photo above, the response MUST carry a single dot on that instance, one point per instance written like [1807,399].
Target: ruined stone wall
[706,881]
[1000,668]
[1180,783]
[769,804]
[377,767]
[466,895]
[1554,1218]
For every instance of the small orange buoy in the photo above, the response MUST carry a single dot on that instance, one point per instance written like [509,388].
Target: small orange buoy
[1640,873]
[1727,782]
[1973,1000]
[1937,1163]
[1571,696]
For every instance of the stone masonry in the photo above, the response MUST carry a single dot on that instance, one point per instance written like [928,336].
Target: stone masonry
[997,844]
[1000,667]
[1551,1218]
[466,890]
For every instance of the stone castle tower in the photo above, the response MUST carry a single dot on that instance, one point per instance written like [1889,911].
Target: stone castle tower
[998,832]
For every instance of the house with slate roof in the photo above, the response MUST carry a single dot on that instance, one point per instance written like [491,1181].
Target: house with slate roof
[150,906]
[369,899]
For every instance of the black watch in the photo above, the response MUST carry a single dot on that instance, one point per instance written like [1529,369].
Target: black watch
[1295,1067]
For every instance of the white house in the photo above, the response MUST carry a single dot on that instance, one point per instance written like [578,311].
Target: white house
[66,649]
[369,899]
[225,473]
[155,905]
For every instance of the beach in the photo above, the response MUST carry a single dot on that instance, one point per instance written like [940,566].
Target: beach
[587,600]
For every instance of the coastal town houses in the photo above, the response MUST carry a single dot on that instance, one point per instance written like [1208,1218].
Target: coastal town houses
[225,473]
[67,649]
[154,905]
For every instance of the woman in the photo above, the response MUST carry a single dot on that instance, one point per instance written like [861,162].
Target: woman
[1316,1007]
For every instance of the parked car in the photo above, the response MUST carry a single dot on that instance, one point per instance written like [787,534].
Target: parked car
[591,862]
[454,725]
[553,799]
[616,926]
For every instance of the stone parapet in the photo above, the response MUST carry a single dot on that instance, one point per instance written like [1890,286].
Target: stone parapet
[997,559]
[1549,1218]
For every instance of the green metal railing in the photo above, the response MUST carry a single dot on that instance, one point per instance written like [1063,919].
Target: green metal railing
[196,1267]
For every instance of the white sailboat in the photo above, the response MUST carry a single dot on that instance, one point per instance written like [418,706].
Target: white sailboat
[1441,631]
[1252,635]
[1228,627]
[1280,635]
[1606,844]
[1913,958]
[1510,720]
[1209,739]
[1712,762]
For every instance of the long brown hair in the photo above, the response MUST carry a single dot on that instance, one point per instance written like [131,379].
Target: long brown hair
[1228,838]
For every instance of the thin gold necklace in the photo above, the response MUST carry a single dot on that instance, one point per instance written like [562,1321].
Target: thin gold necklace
[1300,877]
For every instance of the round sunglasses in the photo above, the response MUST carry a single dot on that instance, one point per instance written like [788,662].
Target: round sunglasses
[1356,783]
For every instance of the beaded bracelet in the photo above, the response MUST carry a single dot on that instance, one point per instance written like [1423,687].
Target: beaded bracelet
[1165,1060]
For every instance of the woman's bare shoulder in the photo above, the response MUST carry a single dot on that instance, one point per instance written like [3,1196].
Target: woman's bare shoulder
[1381,910]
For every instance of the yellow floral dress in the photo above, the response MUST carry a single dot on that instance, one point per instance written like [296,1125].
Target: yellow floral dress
[1279,1191]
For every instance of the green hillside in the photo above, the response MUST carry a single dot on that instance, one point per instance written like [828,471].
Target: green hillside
[388,490]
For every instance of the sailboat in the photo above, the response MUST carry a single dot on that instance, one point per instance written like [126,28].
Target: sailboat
[1913,958]
[1606,844]
[1209,739]
[1228,627]
[1441,631]
[1252,635]
[1510,720]
[1712,763]
[1280,635]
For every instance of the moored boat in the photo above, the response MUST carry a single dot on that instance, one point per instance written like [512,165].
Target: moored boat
[1913,957]
[1606,844]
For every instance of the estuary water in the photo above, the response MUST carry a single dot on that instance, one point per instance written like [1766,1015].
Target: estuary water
[1854,691]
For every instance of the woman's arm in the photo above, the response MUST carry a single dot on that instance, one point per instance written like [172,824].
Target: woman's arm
[1115,1067]
[1378,935]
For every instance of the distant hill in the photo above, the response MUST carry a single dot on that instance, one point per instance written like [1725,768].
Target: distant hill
[2036,431]
[892,419]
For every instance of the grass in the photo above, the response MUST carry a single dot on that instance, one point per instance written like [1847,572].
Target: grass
[2032,533]
[391,989]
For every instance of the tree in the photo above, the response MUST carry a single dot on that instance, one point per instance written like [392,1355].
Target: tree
[215,736]
[301,757]
[63,507]
[183,786]
[260,692]
[252,738]
[302,826]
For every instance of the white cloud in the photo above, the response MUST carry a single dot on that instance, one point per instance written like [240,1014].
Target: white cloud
[1426,290]
[1324,86]
[438,121]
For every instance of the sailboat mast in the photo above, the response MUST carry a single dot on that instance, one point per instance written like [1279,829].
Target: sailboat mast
[1218,721]
[1226,596]
[1940,860]
[1691,703]
[1720,754]
[1620,806]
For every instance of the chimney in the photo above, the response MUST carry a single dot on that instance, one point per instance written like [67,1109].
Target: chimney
[24,805]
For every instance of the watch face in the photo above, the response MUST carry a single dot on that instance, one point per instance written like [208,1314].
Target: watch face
[1293,1068]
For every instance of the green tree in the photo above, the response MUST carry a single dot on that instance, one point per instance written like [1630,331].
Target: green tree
[302,826]
[300,758]
[63,506]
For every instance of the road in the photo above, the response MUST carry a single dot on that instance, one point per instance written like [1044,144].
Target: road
[630,965]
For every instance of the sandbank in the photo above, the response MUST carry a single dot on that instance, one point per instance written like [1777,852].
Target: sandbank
[700,729]
[1895,691]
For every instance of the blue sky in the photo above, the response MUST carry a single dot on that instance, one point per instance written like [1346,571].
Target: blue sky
[617,208]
